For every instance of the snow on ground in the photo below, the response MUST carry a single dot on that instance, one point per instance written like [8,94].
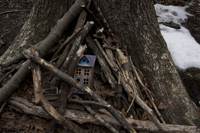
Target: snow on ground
[184,50]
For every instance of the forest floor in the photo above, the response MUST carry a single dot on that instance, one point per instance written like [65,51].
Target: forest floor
[13,14]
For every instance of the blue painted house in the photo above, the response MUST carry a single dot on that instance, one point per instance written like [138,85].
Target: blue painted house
[85,70]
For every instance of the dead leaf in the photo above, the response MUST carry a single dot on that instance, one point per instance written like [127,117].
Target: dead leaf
[162,106]
[124,112]
[112,40]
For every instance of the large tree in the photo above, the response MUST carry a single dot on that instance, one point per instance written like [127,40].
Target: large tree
[135,24]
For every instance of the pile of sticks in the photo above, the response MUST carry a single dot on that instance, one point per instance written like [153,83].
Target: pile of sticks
[119,70]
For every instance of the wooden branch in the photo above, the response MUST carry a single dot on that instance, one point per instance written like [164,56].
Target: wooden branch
[45,45]
[83,117]
[91,14]
[82,18]
[66,42]
[105,23]
[153,104]
[11,11]
[106,57]
[104,66]
[85,89]
[16,67]
[124,63]
[39,98]
[97,116]
[16,59]
[56,97]
[37,82]
[86,102]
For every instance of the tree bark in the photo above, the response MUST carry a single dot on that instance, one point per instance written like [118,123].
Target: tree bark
[41,20]
[135,25]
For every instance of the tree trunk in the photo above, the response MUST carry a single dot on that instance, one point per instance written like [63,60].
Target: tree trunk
[134,22]
[41,20]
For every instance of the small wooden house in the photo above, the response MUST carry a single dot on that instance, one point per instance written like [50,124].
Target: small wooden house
[85,70]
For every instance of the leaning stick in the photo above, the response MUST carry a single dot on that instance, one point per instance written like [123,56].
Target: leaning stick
[85,89]
[97,116]
[140,81]
[45,45]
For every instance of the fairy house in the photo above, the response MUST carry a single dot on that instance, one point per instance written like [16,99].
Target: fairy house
[85,70]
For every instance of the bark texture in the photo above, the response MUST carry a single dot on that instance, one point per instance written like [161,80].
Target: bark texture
[42,18]
[134,22]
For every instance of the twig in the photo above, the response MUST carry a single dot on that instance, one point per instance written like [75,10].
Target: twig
[11,11]
[82,18]
[85,89]
[86,102]
[66,42]
[105,56]
[105,23]
[119,91]
[91,14]
[2,107]
[98,117]
[143,86]
[16,59]
[104,66]
[11,71]
[130,105]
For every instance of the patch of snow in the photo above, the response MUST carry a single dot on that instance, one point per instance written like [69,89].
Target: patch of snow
[171,13]
[185,51]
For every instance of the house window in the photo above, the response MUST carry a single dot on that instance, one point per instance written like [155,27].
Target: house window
[78,71]
[87,72]
[85,81]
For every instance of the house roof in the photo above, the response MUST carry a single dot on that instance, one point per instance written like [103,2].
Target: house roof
[87,61]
